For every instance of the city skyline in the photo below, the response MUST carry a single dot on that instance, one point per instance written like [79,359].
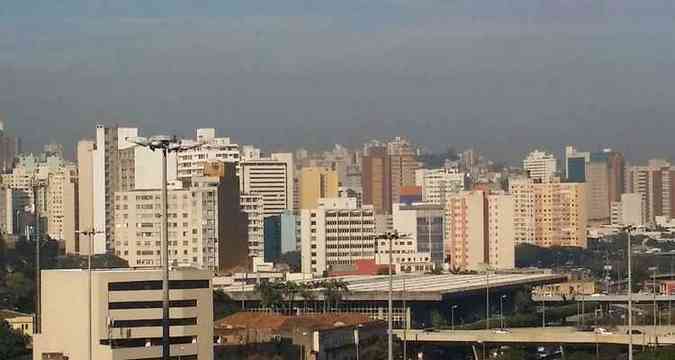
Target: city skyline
[501,78]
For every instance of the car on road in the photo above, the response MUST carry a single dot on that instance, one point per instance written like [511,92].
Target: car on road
[502,331]
[585,328]
[430,330]
[635,332]
[602,331]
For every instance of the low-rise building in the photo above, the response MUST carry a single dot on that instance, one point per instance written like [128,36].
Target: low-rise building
[123,310]
[20,322]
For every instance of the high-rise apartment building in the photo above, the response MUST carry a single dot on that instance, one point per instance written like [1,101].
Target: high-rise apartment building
[316,183]
[7,208]
[85,194]
[540,166]
[9,149]
[631,210]
[480,230]
[549,214]
[106,181]
[62,209]
[438,184]
[253,205]
[656,183]
[273,179]
[191,162]
[193,225]
[126,315]
[336,233]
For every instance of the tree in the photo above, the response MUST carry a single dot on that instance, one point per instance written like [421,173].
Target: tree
[289,290]
[307,295]
[270,294]
[223,305]
[12,343]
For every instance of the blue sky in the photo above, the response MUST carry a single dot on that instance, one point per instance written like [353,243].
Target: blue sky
[502,75]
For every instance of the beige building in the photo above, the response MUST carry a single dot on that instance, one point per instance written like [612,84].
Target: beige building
[631,210]
[20,322]
[62,205]
[480,230]
[253,206]
[336,233]
[540,166]
[549,214]
[85,194]
[655,183]
[316,183]
[193,225]
[126,315]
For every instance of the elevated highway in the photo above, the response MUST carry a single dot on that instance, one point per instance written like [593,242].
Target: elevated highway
[664,336]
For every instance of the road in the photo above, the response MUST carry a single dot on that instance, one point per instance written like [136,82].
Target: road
[637,298]
[539,336]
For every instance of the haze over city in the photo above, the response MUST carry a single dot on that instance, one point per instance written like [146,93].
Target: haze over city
[503,76]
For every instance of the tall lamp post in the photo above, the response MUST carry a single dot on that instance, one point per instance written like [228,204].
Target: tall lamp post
[165,144]
[628,230]
[654,269]
[390,236]
[90,235]
[37,184]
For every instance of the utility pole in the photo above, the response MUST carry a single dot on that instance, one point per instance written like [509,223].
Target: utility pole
[38,244]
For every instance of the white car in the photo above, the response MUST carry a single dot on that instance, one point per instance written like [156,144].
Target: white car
[602,331]
[502,331]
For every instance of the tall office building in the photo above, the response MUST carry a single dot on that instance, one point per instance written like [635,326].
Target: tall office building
[424,225]
[549,214]
[631,210]
[85,194]
[273,179]
[273,235]
[540,166]
[656,183]
[403,161]
[126,315]
[316,183]
[106,177]
[576,164]
[336,233]
[376,179]
[62,209]
[191,162]
[7,209]
[438,184]
[480,230]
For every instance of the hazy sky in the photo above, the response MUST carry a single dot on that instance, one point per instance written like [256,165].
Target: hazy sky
[503,75]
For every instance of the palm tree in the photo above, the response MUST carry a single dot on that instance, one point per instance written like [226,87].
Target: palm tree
[307,294]
[290,289]
[270,294]
[333,291]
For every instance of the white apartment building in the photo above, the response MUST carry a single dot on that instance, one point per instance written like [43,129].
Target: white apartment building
[123,320]
[540,166]
[336,233]
[631,210]
[273,179]
[252,205]
[7,205]
[193,226]
[480,231]
[191,162]
[438,184]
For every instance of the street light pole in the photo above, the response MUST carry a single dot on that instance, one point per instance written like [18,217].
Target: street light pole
[165,144]
[628,230]
[90,237]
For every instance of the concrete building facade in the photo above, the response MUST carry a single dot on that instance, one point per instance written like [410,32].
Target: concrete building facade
[655,182]
[549,214]
[273,179]
[126,314]
[540,166]
[631,210]
[315,183]
[480,231]
[438,184]
[336,233]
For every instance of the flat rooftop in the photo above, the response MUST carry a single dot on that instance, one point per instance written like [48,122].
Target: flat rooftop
[421,287]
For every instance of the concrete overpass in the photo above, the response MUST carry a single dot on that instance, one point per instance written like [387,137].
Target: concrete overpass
[665,336]
[637,298]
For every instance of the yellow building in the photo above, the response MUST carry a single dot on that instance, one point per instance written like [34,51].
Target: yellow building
[549,214]
[316,183]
